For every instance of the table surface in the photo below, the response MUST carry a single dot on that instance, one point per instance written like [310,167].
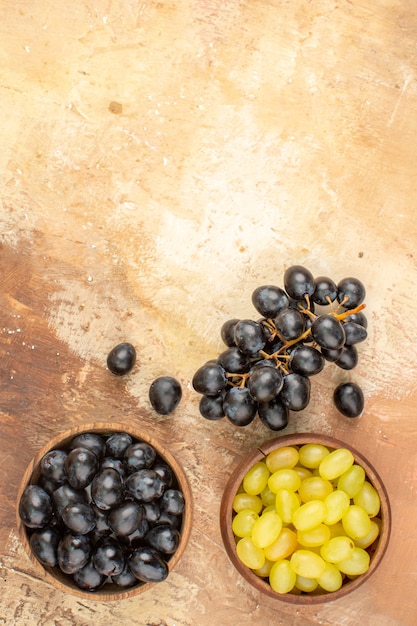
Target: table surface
[159,161]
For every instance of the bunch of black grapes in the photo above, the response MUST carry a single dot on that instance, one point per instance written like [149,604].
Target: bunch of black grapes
[267,365]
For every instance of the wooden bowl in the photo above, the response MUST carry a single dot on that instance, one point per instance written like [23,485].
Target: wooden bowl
[226,515]
[109,591]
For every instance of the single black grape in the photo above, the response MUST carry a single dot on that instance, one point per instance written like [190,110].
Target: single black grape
[44,543]
[52,466]
[108,557]
[261,363]
[211,407]
[101,520]
[355,333]
[234,361]
[351,292]
[332,354]
[239,406]
[210,379]
[348,359]
[81,465]
[163,538]
[117,444]
[290,323]
[121,359]
[91,441]
[66,494]
[88,578]
[298,281]
[165,394]
[73,552]
[79,517]
[295,393]
[172,502]
[152,511]
[328,332]
[306,360]
[117,464]
[148,565]
[268,300]
[125,578]
[359,318]
[325,290]
[139,455]
[273,414]
[265,383]
[35,507]
[249,337]
[227,332]
[165,472]
[107,489]
[125,518]
[145,485]
[349,399]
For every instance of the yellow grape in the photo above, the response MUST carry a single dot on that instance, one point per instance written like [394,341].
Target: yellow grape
[256,478]
[286,502]
[264,571]
[368,499]
[368,540]
[307,563]
[267,496]
[284,479]
[336,530]
[282,458]
[312,454]
[282,576]
[336,463]
[246,501]
[309,515]
[314,488]
[303,472]
[283,546]
[250,555]
[337,503]
[266,529]
[314,537]
[243,522]
[337,548]
[357,563]
[331,579]
[305,584]
[352,480]
[356,522]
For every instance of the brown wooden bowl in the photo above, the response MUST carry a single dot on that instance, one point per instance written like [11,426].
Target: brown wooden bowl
[110,591]
[226,515]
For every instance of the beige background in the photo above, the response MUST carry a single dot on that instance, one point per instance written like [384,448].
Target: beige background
[160,160]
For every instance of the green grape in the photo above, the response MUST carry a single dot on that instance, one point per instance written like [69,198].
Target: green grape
[337,503]
[303,472]
[337,549]
[357,563]
[305,584]
[250,555]
[368,540]
[246,501]
[256,478]
[336,463]
[312,454]
[267,496]
[282,458]
[307,563]
[283,546]
[368,499]
[282,577]
[243,522]
[286,503]
[309,515]
[266,529]
[314,537]
[331,579]
[356,522]
[264,571]
[352,480]
[284,479]
[314,488]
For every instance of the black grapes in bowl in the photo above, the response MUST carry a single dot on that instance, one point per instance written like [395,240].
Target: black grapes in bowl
[268,364]
[104,512]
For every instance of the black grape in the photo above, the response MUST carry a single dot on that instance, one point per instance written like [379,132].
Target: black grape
[227,332]
[268,300]
[121,359]
[298,281]
[348,359]
[249,336]
[328,332]
[350,292]
[265,383]
[239,406]
[273,414]
[290,323]
[234,361]
[211,407]
[210,379]
[355,333]
[349,399]
[165,394]
[295,394]
[325,289]
[306,360]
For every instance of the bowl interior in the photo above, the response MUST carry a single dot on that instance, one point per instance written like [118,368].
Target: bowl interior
[226,516]
[32,475]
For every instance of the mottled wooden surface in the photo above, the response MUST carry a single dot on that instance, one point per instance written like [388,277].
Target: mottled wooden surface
[159,160]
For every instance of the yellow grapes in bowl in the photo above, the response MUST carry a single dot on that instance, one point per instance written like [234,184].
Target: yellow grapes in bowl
[305,518]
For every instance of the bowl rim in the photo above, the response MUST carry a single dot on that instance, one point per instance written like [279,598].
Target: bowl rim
[52,575]
[226,513]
